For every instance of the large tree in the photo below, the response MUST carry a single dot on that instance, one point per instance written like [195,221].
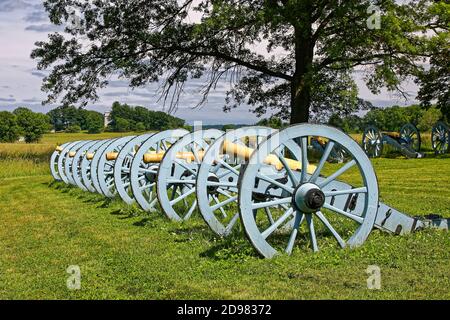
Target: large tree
[435,80]
[297,57]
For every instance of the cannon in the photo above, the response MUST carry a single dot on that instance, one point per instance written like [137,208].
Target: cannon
[407,141]
[144,170]
[271,181]
[122,167]
[106,164]
[87,171]
[440,138]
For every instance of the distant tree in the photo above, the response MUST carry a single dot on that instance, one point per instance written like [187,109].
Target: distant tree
[122,125]
[73,128]
[435,81]
[348,124]
[272,122]
[94,122]
[228,127]
[152,120]
[9,129]
[140,127]
[33,125]
[64,116]
[429,119]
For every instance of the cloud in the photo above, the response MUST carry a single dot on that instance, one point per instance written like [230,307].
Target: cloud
[36,16]
[118,84]
[32,100]
[12,5]
[7,100]
[44,28]
[38,74]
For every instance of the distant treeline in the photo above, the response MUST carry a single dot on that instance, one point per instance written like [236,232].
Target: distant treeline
[30,125]
[125,118]
[122,118]
[387,119]
[23,122]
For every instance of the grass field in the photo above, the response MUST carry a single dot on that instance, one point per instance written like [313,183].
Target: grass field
[124,253]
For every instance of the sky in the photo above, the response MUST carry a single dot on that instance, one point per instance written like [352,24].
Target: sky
[23,22]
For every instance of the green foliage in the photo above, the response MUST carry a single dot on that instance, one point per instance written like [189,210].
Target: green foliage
[94,122]
[388,119]
[429,119]
[121,125]
[64,117]
[139,127]
[272,122]
[228,127]
[393,118]
[129,118]
[349,124]
[33,125]
[435,81]
[9,129]
[322,44]
[73,128]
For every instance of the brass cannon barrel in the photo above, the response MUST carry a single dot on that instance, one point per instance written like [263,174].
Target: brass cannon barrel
[112,156]
[232,149]
[59,148]
[157,157]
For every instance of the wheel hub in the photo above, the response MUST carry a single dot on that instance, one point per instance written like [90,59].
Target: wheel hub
[212,189]
[308,198]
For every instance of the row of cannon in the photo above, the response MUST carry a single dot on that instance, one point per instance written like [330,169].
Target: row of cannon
[407,141]
[279,186]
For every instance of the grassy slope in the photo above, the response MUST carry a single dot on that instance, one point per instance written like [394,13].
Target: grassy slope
[124,253]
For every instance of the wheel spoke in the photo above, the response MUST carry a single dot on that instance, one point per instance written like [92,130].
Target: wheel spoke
[342,192]
[277,223]
[183,196]
[223,203]
[216,200]
[312,232]
[220,184]
[288,169]
[323,159]
[269,215]
[304,146]
[331,178]
[226,165]
[191,210]
[232,223]
[344,213]
[180,181]
[272,203]
[299,217]
[274,182]
[186,167]
[330,227]
[145,186]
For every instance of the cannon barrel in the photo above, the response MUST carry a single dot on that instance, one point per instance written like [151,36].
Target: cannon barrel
[59,148]
[232,149]
[112,156]
[90,156]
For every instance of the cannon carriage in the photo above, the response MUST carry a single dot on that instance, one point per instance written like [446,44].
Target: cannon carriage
[407,141]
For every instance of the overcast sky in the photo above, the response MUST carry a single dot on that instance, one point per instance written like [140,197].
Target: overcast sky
[23,22]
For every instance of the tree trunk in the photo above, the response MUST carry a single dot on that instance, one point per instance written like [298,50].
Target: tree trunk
[301,83]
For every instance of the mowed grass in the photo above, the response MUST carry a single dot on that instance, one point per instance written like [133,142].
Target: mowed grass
[124,253]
